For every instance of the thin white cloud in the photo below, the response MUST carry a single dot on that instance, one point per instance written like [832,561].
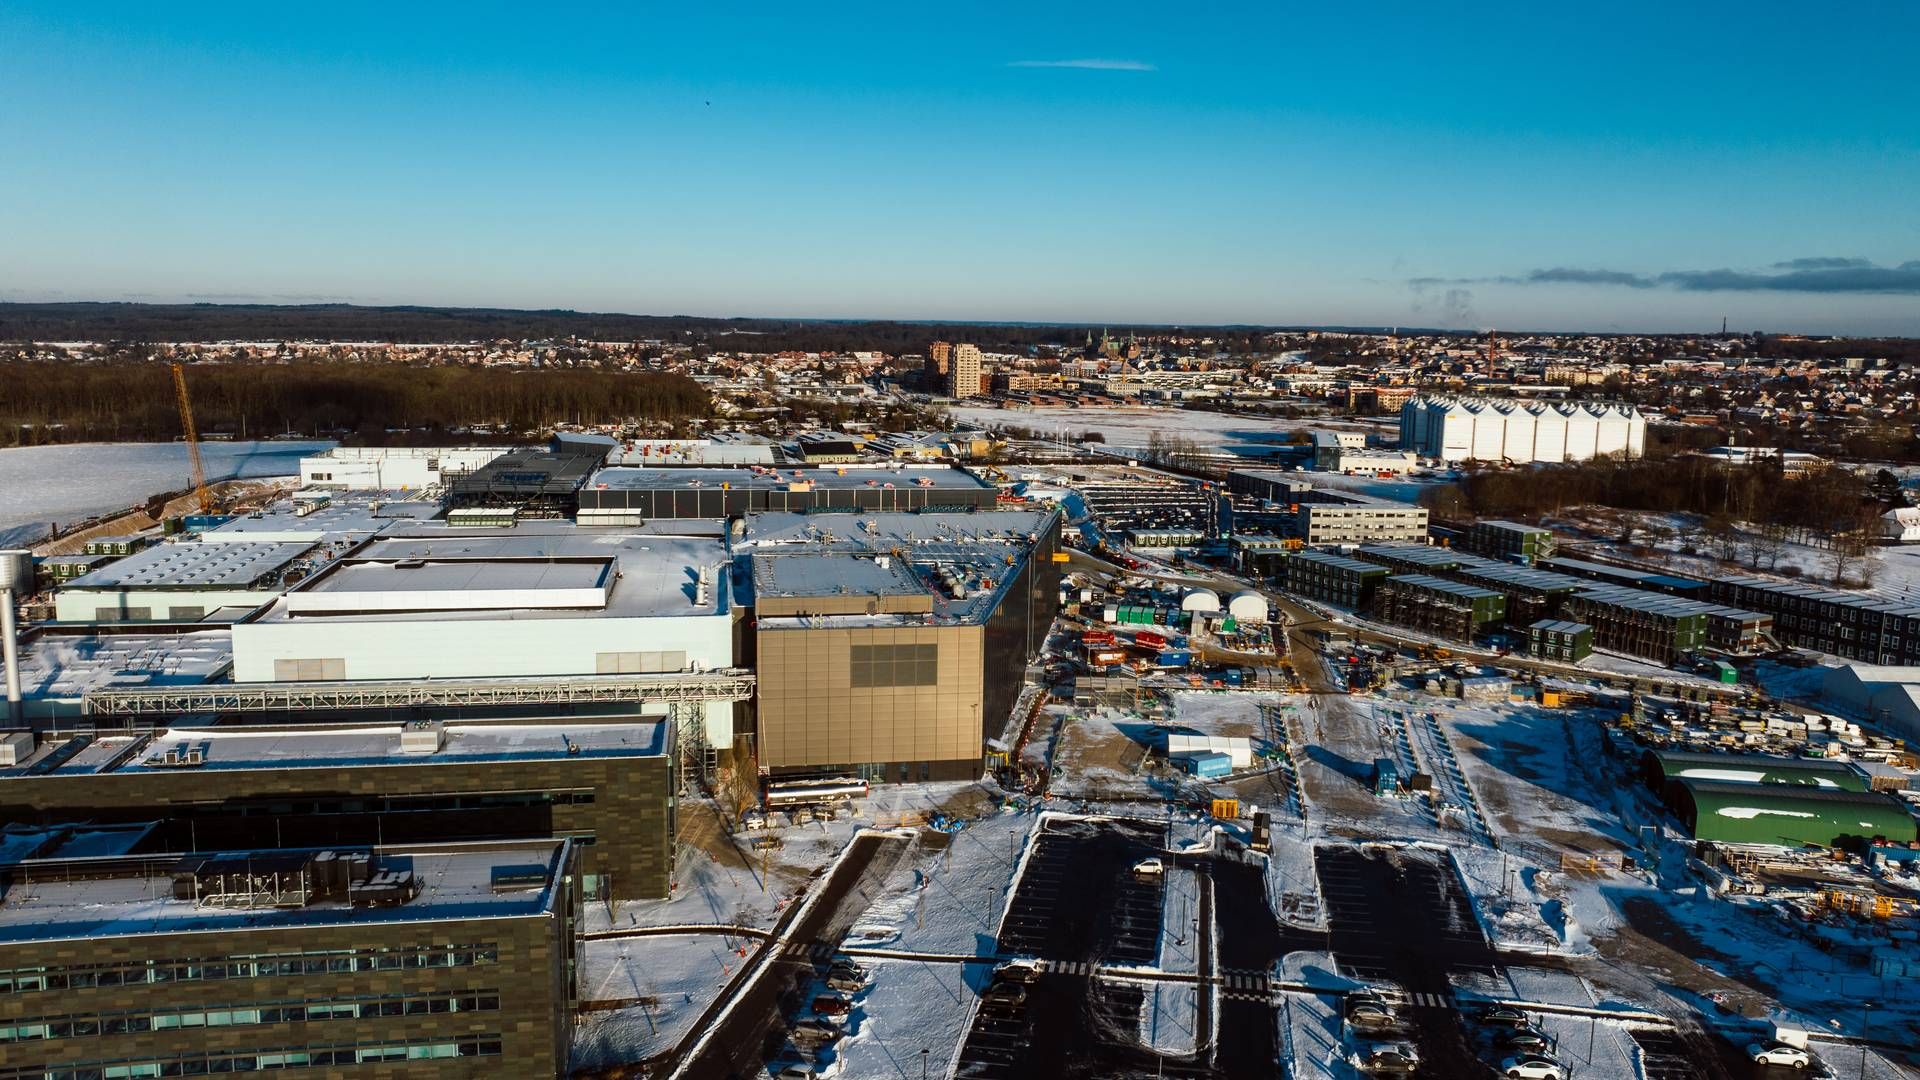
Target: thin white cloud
[1087,65]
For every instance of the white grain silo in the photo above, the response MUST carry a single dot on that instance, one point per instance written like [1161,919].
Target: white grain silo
[1489,431]
[1519,436]
[1583,432]
[1611,435]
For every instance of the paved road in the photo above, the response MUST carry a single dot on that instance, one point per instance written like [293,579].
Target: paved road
[752,1032]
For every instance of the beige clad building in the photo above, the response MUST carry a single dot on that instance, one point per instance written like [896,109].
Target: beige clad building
[963,373]
[892,646]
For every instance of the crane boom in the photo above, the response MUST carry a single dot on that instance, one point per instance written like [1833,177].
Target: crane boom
[200,492]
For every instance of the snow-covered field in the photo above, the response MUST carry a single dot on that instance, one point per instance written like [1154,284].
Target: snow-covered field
[661,984]
[1135,426]
[63,484]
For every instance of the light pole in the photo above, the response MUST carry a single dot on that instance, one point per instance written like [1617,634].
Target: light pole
[1866,1021]
[923,1062]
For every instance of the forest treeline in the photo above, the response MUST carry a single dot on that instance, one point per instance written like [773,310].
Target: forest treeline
[60,402]
[1810,508]
[349,322]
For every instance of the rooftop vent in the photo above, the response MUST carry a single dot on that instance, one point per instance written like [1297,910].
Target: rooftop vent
[423,737]
[519,877]
[181,755]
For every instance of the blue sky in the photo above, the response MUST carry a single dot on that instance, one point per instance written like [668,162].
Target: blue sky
[1516,166]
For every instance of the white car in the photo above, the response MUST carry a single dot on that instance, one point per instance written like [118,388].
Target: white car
[1149,867]
[1779,1053]
[1532,1068]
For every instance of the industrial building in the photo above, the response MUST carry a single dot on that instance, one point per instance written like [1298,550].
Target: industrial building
[542,600]
[524,484]
[392,468]
[1521,432]
[1438,606]
[1608,574]
[59,668]
[1887,696]
[1661,769]
[1557,639]
[454,960]
[891,646]
[1419,558]
[1347,451]
[1850,625]
[1646,625]
[1730,812]
[1531,595]
[1510,541]
[1273,485]
[1344,518]
[610,783]
[187,581]
[1334,579]
[631,496]
[1262,557]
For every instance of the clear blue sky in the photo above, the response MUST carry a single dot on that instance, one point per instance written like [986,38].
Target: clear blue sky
[1409,164]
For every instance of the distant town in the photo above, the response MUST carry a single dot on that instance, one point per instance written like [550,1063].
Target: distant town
[965,701]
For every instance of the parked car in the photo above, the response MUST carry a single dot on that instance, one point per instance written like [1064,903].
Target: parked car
[1005,993]
[846,980]
[1388,1061]
[814,1031]
[1523,1039]
[1532,1068]
[1779,1053]
[1017,971]
[1149,868]
[1504,1016]
[831,1005]
[794,1071]
[1367,1014]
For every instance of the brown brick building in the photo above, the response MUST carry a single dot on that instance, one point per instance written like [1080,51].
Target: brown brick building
[442,961]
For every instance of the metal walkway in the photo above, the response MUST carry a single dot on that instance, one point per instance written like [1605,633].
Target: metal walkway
[399,693]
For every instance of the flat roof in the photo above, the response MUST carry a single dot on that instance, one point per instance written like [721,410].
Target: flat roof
[879,530]
[1559,626]
[1525,578]
[195,564]
[809,575]
[346,515]
[644,575]
[69,665]
[317,747]
[60,899]
[1453,588]
[674,478]
[1324,558]
[456,584]
[1424,555]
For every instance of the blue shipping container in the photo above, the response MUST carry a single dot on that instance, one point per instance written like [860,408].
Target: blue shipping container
[1174,658]
[1208,766]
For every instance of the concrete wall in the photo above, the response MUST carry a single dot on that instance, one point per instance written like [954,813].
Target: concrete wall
[83,605]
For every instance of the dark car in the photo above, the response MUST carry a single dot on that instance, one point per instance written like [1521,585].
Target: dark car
[1005,993]
[1524,1039]
[1504,1016]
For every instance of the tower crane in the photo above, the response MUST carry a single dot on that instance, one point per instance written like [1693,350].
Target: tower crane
[200,492]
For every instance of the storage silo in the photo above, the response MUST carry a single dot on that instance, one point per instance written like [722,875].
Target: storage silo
[1549,434]
[1247,607]
[1200,600]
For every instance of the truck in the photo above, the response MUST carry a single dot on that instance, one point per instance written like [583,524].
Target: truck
[1262,839]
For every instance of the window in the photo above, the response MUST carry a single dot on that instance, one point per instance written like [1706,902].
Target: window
[894,665]
[640,663]
[186,614]
[118,614]
[309,670]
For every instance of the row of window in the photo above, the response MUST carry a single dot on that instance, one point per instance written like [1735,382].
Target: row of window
[263,965]
[894,665]
[145,614]
[304,1057]
[405,804]
[33,1029]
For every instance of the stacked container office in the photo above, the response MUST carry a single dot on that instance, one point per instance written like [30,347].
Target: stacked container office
[1333,579]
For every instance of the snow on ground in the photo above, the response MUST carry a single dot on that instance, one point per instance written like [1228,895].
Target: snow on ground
[949,901]
[910,1006]
[1179,921]
[1169,1015]
[1137,425]
[37,483]
[661,985]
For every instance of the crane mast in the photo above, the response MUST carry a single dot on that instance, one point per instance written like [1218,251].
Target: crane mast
[200,492]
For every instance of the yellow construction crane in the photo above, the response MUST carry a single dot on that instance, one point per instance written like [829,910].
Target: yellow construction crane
[200,492]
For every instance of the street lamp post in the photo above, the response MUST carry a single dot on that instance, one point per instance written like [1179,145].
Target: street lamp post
[923,1062]
[1866,1021]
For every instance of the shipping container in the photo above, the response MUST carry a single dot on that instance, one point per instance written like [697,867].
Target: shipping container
[1386,777]
[1147,639]
[1207,766]
[1173,658]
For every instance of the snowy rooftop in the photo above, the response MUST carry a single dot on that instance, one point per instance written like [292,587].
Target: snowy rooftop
[833,575]
[192,564]
[765,479]
[67,666]
[880,531]
[518,573]
[56,900]
[344,515]
[325,747]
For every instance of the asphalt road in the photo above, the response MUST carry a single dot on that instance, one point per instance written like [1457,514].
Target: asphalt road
[753,1031]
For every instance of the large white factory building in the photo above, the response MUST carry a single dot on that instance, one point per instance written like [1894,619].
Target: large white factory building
[1521,432]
